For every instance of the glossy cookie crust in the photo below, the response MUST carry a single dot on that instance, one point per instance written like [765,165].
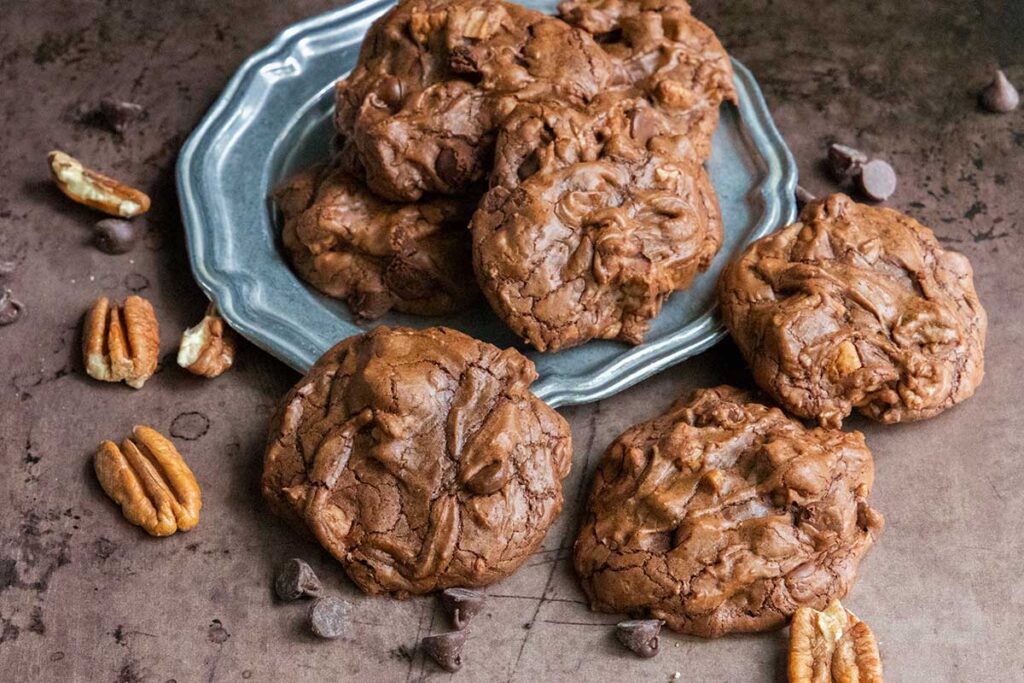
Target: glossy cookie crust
[856,307]
[377,255]
[419,459]
[724,516]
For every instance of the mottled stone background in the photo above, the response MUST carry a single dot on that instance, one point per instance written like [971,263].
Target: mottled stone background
[85,596]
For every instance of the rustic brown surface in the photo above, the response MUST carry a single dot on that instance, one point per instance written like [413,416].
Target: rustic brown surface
[86,596]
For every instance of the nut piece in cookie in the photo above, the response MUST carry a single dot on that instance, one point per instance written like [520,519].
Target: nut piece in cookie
[436,78]
[121,343]
[419,459]
[832,646]
[151,482]
[724,516]
[208,348]
[856,307]
[374,254]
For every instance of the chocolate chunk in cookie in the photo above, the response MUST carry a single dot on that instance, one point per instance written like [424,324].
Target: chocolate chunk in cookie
[436,78]
[724,515]
[856,307]
[374,254]
[614,214]
[419,459]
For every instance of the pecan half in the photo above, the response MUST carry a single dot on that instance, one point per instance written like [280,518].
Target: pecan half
[208,348]
[149,479]
[832,646]
[121,343]
[94,189]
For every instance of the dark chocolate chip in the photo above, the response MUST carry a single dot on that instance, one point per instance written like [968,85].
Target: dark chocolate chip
[877,180]
[803,196]
[461,605]
[445,649]
[447,166]
[370,304]
[845,161]
[328,617]
[391,92]
[115,115]
[640,635]
[999,96]
[295,580]
[115,236]
[10,308]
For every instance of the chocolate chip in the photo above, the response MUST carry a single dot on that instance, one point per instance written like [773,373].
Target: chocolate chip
[391,92]
[328,617]
[10,308]
[877,180]
[803,196]
[640,635]
[845,161]
[115,236]
[447,166]
[295,580]
[113,115]
[461,605]
[999,96]
[445,649]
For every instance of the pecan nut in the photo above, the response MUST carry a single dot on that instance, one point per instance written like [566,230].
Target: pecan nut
[121,343]
[149,479]
[94,189]
[832,646]
[208,348]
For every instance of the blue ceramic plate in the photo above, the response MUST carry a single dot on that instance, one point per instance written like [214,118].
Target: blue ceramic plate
[274,118]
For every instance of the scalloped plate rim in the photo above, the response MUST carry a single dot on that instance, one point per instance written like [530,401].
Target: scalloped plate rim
[233,291]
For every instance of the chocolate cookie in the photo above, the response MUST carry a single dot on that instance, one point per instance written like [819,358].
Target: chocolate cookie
[856,307]
[661,50]
[594,218]
[597,212]
[435,79]
[723,516]
[374,254]
[419,459]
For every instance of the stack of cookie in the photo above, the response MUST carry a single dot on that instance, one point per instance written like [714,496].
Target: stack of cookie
[572,147]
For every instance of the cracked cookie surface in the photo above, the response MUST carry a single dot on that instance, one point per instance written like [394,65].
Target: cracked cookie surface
[856,307]
[598,212]
[723,515]
[419,459]
[435,79]
[377,255]
[592,243]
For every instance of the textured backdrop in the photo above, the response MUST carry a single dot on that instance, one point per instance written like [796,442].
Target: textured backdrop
[85,596]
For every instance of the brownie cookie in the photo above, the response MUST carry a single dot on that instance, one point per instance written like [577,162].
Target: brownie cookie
[419,459]
[660,49]
[856,307]
[594,218]
[597,212]
[434,80]
[374,254]
[725,516]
